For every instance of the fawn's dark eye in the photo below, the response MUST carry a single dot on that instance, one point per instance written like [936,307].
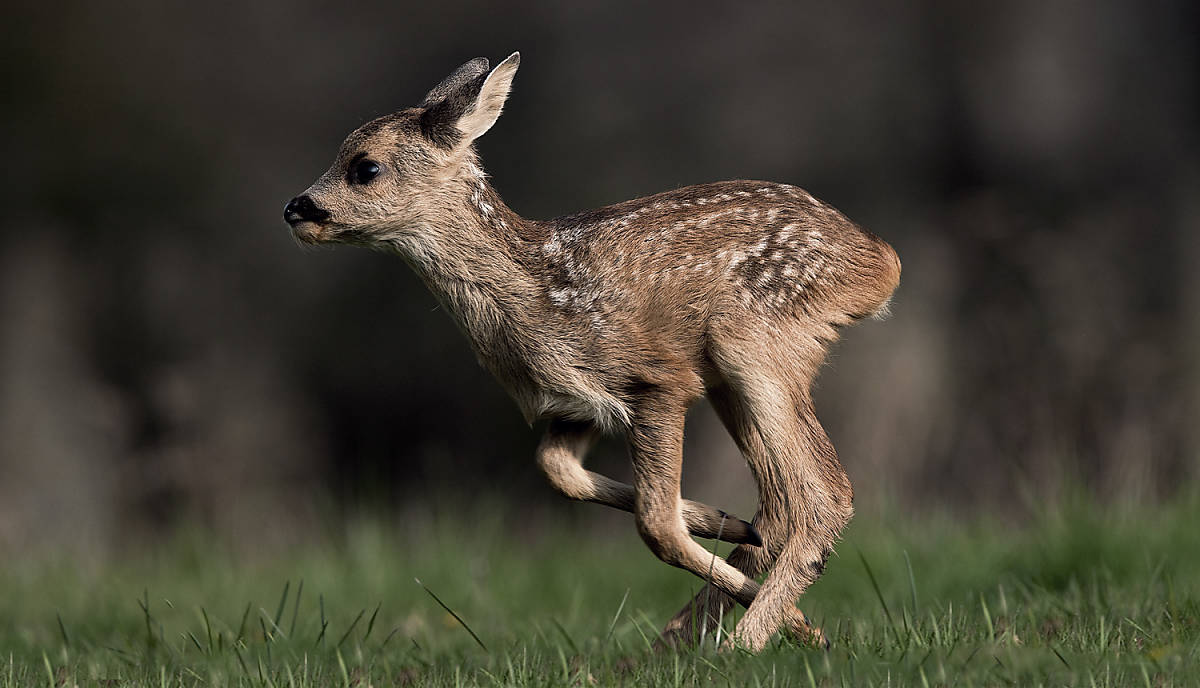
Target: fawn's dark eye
[363,171]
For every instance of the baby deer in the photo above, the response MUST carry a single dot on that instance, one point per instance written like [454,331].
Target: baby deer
[621,318]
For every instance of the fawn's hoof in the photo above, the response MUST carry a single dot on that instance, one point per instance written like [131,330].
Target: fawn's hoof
[740,532]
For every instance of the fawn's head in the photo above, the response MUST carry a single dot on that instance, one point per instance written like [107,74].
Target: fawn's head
[395,174]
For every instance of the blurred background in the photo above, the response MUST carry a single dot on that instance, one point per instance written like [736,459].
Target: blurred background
[169,356]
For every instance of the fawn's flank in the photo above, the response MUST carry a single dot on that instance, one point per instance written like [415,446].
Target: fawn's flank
[619,319]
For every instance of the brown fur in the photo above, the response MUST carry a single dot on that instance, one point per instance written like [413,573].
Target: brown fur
[619,319]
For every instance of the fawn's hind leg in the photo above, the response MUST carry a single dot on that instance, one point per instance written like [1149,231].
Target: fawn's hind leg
[815,505]
[805,493]
[814,497]
[705,610]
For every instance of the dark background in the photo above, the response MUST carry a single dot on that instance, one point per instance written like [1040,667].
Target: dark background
[169,355]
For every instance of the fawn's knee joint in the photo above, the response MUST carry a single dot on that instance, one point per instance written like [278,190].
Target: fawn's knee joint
[569,479]
[664,537]
[560,464]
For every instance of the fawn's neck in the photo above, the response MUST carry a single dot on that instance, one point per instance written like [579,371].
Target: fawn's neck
[474,256]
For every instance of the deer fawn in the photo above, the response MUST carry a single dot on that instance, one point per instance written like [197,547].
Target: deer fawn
[619,319]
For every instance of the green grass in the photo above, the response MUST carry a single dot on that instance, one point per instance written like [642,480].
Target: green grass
[1081,596]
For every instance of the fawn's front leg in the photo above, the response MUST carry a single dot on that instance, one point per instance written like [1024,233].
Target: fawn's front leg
[656,443]
[560,456]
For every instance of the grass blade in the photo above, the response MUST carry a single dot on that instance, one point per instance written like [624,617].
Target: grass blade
[144,603]
[49,671]
[63,630]
[708,588]
[324,622]
[616,616]
[879,594]
[266,619]
[207,628]
[241,660]
[242,626]
[282,602]
[296,609]
[348,630]
[195,641]
[389,637]
[371,623]
[987,617]
[912,583]
[566,636]
[452,613]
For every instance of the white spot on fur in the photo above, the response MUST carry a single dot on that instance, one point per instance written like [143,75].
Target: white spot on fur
[560,297]
[599,324]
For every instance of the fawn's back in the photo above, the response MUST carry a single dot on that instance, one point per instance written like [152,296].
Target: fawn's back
[739,244]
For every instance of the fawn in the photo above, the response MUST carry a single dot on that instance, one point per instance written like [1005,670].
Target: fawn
[619,319]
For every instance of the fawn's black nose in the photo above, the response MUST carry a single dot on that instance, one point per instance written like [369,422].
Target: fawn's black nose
[301,209]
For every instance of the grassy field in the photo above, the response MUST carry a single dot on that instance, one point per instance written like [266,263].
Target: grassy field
[1081,596]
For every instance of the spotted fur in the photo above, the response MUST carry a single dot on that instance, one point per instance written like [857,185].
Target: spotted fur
[619,319]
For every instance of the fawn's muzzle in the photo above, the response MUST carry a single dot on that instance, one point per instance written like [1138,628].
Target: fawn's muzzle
[302,209]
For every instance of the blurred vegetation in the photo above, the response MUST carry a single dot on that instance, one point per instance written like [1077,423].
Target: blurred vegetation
[1079,595]
[168,356]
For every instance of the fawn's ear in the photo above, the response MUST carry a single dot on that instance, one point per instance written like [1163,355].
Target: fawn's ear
[467,103]
[471,71]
